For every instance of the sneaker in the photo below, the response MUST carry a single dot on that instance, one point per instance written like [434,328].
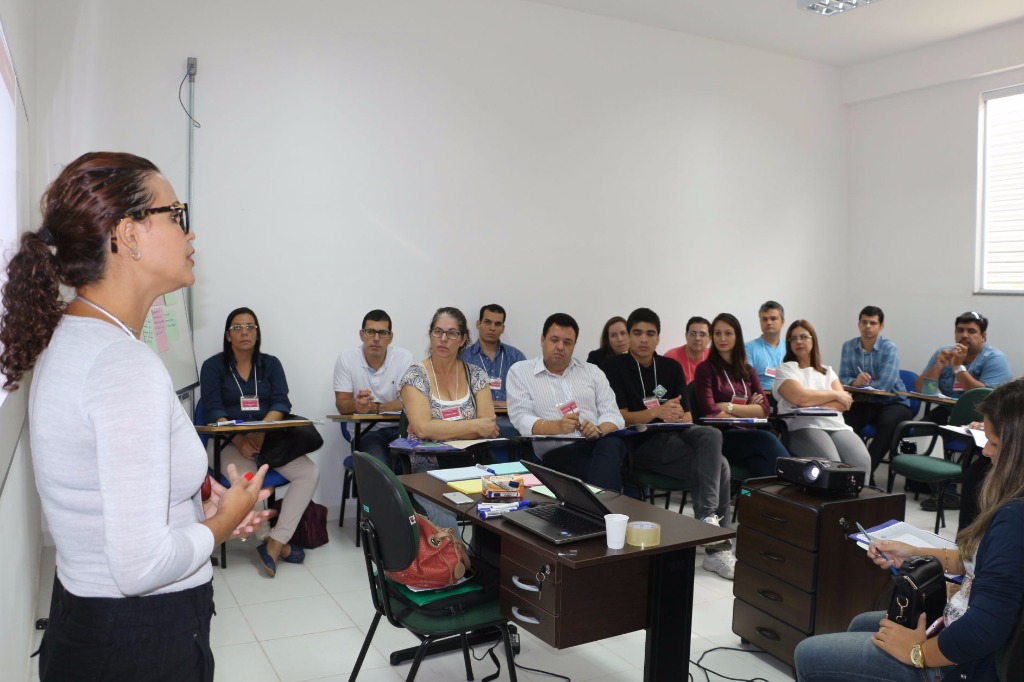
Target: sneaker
[723,546]
[722,563]
[950,502]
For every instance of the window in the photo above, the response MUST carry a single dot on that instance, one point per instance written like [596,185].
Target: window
[1001,193]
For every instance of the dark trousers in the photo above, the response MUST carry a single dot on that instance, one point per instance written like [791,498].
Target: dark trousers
[598,462]
[974,476]
[755,448]
[886,419]
[162,638]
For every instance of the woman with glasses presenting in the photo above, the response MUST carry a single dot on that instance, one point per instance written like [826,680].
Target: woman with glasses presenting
[802,381]
[445,398]
[118,466]
[244,383]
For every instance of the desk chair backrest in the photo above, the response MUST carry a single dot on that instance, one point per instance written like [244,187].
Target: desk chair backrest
[386,504]
[199,419]
[965,410]
[909,383]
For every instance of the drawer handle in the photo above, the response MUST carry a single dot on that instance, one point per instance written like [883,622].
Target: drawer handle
[766,633]
[772,557]
[774,517]
[771,596]
[520,616]
[524,586]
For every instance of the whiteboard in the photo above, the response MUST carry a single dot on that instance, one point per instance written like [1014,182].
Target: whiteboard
[168,333]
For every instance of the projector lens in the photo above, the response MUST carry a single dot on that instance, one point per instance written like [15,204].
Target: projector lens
[811,472]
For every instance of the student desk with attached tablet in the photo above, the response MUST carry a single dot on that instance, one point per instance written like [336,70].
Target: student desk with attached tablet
[582,591]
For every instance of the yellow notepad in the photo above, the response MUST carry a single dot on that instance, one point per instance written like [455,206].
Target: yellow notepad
[472,486]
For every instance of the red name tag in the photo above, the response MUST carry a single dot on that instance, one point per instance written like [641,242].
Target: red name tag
[495,383]
[450,414]
[651,403]
[568,407]
[250,404]
[769,372]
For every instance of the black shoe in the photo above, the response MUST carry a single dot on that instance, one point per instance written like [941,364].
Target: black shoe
[950,502]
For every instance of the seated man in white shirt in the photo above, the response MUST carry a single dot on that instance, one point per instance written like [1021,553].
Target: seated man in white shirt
[557,394]
[366,380]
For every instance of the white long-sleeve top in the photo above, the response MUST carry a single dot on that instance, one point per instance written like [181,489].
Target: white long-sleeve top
[118,465]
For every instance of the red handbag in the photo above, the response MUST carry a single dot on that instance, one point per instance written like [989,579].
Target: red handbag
[441,561]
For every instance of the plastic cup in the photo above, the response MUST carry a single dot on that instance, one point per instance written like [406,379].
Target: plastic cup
[615,530]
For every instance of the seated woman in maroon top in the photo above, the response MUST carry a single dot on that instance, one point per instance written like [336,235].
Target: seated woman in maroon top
[727,386]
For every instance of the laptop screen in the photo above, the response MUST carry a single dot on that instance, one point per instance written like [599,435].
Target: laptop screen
[568,489]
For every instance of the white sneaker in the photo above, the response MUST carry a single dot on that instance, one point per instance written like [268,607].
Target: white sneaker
[724,545]
[722,563]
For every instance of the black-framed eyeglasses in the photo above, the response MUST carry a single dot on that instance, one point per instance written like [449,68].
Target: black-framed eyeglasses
[381,333]
[247,327]
[178,211]
[452,334]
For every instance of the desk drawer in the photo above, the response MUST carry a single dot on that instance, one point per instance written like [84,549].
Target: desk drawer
[525,613]
[778,517]
[777,598]
[520,580]
[762,630]
[774,557]
[532,560]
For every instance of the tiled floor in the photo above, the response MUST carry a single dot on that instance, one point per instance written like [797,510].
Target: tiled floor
[309,622]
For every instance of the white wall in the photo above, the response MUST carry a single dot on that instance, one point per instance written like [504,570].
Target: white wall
[408,154]
[19,504]
[913,193]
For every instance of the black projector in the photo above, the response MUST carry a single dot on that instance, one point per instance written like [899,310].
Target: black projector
[820,474]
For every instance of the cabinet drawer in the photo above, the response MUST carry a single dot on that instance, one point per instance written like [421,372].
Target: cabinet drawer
[762,630]
[524,613]
[781,518]
[521,581]
[781,559]
[775,597]
[532,560]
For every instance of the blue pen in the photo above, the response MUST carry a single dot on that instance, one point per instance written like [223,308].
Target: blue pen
[880,552]
[487,469]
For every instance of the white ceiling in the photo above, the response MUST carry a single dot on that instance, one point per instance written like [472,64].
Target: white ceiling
[877,30]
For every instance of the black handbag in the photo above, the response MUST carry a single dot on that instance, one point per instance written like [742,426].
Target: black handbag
[920,588]
[281,446]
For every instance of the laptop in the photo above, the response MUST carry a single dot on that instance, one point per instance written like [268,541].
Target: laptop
[578,515]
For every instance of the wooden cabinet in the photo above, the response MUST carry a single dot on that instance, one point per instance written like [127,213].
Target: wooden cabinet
[798,573]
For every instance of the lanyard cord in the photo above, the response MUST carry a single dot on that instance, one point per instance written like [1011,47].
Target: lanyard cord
[733,388]
[255,377]
[643,389]
[438,386]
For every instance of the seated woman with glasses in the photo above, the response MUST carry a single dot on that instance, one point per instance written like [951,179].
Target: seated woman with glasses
[802,381]
[727,386]
[614,341]
[244,383]
[445,398]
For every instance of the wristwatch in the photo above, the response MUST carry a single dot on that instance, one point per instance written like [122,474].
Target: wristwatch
[961,368]
[917,655]
[729,407]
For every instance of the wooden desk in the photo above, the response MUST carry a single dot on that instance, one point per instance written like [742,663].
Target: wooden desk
[930,401]
[599,592]
[223,434]
[364,423]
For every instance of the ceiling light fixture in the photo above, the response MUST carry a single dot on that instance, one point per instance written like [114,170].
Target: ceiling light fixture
[829,7]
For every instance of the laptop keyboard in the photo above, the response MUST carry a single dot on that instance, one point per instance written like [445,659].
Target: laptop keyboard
[567,520]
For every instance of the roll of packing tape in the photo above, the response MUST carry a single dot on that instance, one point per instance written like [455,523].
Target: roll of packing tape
[643,534]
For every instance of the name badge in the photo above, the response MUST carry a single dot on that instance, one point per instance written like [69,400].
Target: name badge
[568,407]
[957,387]
[651,402]
[250,403]
[495,383]
[451,414]
[769,372]
[660,391]
[739,399]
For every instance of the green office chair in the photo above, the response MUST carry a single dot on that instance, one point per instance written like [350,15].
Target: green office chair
[390,542]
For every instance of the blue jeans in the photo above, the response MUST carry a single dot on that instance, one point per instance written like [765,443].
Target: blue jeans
[851,656]
[756,448]
[375,442]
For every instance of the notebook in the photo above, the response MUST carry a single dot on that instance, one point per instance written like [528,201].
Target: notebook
[579,515]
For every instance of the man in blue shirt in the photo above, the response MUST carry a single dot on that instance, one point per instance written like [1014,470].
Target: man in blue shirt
[873,361]
[495,358]
[971,363]
[765,353]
